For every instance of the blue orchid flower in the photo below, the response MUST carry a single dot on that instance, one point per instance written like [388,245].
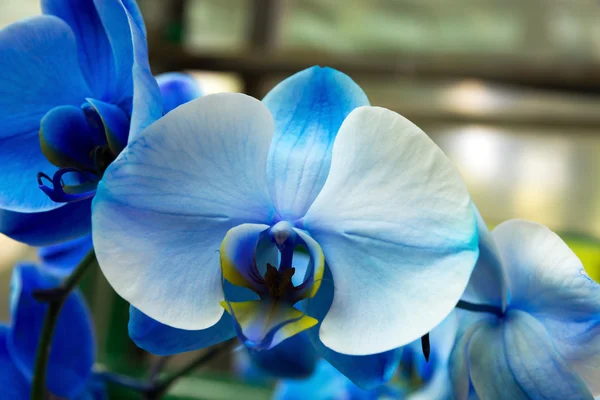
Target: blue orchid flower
[72,352]
[77,84]
[228,181]
[416,379]
[533,331]
[325,384]
[176,89]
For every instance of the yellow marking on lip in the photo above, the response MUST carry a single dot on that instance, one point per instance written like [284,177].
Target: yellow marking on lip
[317,257]
[257,318]
[228,267]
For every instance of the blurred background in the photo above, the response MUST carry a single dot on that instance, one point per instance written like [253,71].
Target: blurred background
[510,90]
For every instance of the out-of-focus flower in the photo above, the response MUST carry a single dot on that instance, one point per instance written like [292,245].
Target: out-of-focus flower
[76,87]
[313,167]
[533,331]
[416,379]
[61,259]
[327,383]
[425,380]
[176,89]
[69,373]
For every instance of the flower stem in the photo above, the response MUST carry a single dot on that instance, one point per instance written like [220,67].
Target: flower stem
[163,384]
[157,368]
[124,381]
[55,298]
[61,292]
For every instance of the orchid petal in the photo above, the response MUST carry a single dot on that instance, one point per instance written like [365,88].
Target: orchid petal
[93,48]
[95,389]
[488,283]
[468,324]
[115,123]
[325,384]
[62,258]
[490,373]
[49,227]
[146,106]
[38,60]
[549,281]
[308,108]
[578,342]
[177,89]
[164,340]
[72,349]
[165,205]
[367,372]
[119,26]
[13,383]
[136,15]
[293,358]
[538,368]
[546,278]
[397,227]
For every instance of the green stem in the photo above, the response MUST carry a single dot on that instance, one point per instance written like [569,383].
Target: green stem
[59,293]
[43,354]
[124,381]
[163,384]
[56,298]
[157,368]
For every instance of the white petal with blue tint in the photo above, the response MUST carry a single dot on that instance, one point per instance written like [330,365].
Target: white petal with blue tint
[367,372]
[308,108]
[538,368]
[546,278]
[165,205]
[490,373]
[488,284]
[458,362]
[398,230]
[549,281]
[38,60]
[578,342]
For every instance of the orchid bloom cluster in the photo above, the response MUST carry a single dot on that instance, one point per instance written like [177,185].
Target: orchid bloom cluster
[333,238]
